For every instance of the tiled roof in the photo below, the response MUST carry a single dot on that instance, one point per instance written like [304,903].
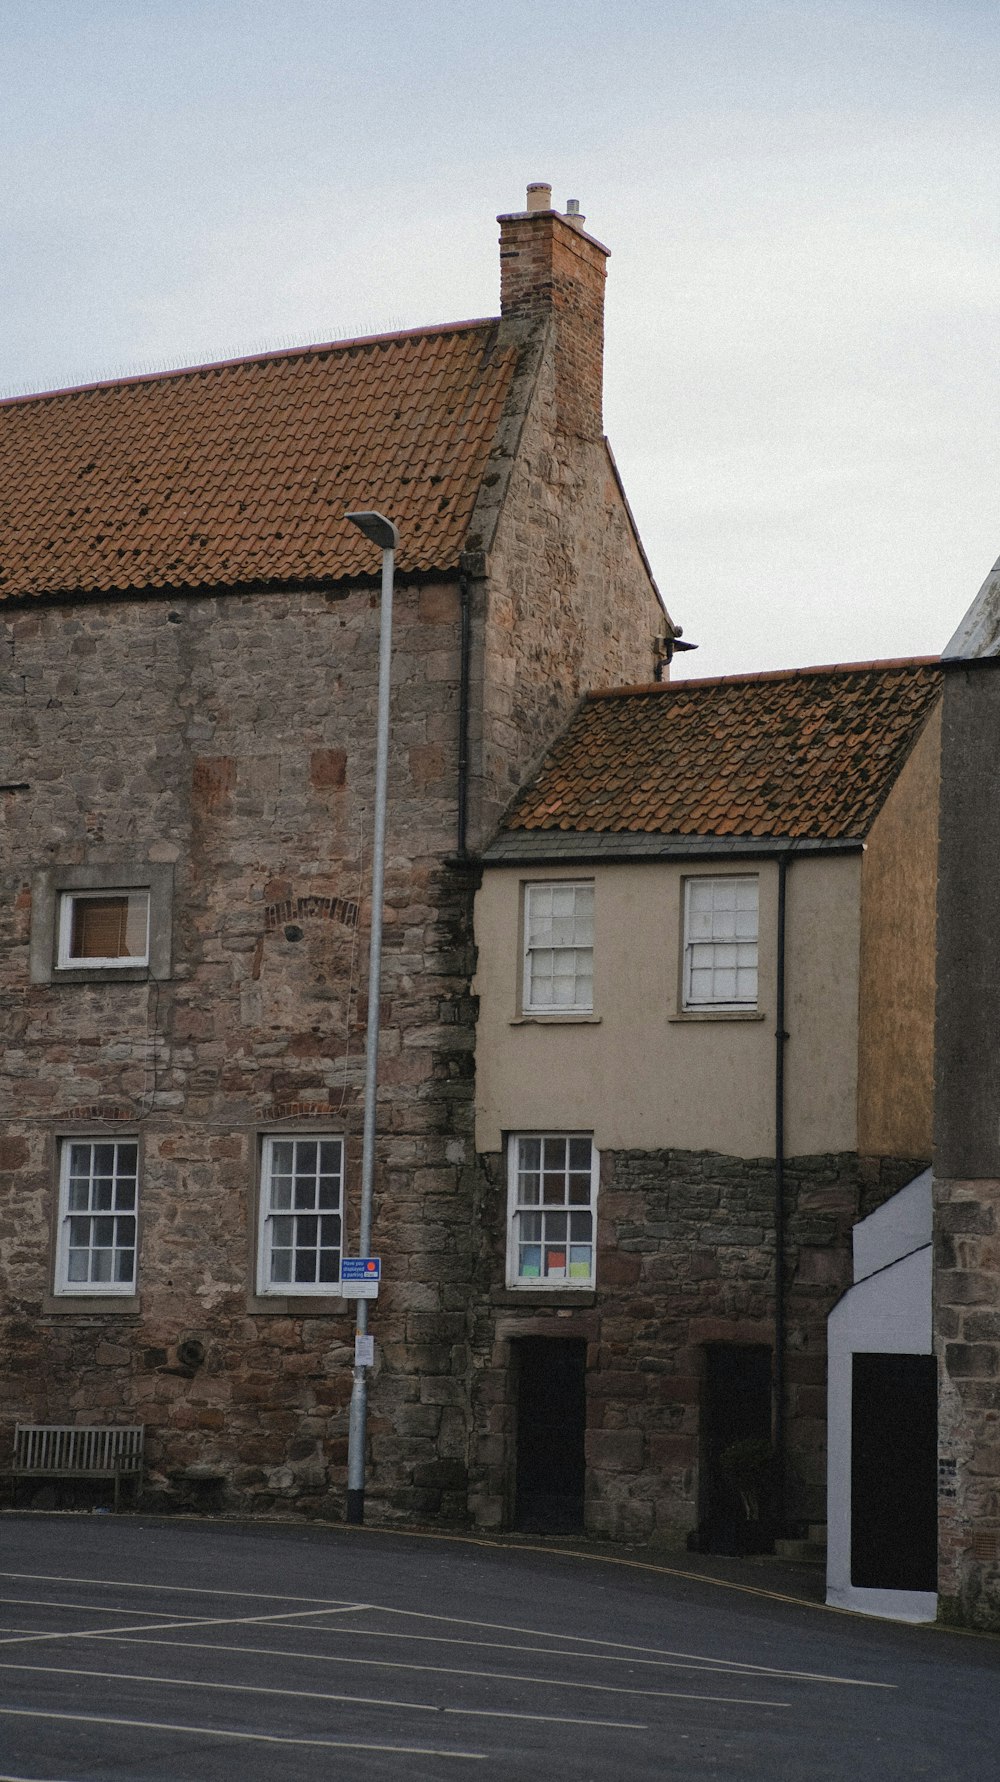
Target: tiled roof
[241,473]
[808,753]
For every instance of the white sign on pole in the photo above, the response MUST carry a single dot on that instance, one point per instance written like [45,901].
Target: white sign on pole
[364,1351]
[359,1277]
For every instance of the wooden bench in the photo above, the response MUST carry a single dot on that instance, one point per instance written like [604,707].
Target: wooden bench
[71,1451]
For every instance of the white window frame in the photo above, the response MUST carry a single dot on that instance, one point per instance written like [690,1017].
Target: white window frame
[67,960]
[98,1200]
[720,940]
[53,888]
[271,1209]
[554,1236]
[534,1000]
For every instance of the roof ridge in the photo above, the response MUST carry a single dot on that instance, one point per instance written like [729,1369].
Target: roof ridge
[763,674]
[298,352]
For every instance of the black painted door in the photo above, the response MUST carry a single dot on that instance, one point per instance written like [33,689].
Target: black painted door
[894,1472]
[551,1419]
[735,1409]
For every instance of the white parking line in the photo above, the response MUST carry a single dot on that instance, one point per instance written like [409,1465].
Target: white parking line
[257,1596]
[440,1670]
[608,1649]
[633,1652]
[90,1633]
[214,1732]
[48,1602]
[316,1695]
[725,1667]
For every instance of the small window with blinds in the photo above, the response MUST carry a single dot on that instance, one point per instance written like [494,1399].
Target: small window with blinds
[103,929]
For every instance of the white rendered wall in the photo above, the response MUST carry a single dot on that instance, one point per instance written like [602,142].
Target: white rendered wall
[887,1312]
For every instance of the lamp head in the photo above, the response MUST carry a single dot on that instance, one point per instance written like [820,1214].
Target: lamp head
[375,526]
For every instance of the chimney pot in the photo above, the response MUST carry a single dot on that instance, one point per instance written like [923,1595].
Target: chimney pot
[539,196]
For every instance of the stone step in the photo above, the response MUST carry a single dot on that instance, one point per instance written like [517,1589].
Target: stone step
[812,1552]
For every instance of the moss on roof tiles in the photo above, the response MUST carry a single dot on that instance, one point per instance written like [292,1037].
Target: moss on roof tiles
[808,753]
[242,472]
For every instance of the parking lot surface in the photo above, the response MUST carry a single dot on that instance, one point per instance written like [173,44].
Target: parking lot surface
[181,1651]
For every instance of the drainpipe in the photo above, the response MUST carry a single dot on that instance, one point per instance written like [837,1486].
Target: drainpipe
[463,715]
[780,1040]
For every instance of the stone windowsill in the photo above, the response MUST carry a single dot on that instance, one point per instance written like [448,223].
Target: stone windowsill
[99,974]
[91,1305]
[569,1020]
[685,1015]
[299,1305]
[559,1297]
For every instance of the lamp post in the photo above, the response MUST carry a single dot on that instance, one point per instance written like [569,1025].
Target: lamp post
[383,533]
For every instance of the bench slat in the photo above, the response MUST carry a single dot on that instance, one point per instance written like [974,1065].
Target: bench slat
[92,1450]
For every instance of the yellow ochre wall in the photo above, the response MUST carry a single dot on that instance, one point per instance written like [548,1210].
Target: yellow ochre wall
[898,896]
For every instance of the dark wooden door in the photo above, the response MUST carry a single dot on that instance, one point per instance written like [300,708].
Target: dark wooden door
[551,1419]
[894,1472]
[735,1407]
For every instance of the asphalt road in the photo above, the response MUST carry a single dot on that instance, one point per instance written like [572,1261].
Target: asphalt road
[203,1652]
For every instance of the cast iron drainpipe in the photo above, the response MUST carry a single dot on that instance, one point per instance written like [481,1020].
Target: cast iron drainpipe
[463,714]
[780,1040]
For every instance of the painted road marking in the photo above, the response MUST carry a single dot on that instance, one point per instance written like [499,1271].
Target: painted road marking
[608,1648]
[47,1602]
[95,1633]
[316,1695]
[439,1670]
[213,1732]
[725,1667]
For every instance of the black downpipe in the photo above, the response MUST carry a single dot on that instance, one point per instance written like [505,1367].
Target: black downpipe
[780,1039]
[463,715]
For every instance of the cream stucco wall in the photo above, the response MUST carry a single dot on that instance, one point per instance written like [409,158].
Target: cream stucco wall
[642,1076]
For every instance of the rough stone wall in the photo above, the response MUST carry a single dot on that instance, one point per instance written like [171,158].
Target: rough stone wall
[234,738]
[685,1259]
[570,603]
[967,1324]
[563,599]
[967,1143]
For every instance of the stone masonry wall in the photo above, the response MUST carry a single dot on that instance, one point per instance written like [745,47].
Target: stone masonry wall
[685,1259]
[234,738]
[967,1326]
[571,605]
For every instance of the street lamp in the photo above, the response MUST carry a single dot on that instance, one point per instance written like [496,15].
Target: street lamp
[383,533]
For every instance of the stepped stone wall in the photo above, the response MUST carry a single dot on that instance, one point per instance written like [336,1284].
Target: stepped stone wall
[685,1260]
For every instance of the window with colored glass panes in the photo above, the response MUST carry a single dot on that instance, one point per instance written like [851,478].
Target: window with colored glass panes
[553,1197]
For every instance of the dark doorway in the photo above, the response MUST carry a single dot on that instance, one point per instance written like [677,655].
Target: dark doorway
[735,1487]
[894,1472]
[551,1418]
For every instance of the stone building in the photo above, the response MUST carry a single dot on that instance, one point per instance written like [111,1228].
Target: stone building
[706,987]
[967,1131]
[189,636]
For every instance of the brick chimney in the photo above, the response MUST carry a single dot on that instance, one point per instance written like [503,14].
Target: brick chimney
[551,268]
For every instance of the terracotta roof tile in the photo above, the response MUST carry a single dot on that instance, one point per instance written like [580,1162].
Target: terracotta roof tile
[241,473]
[810,752]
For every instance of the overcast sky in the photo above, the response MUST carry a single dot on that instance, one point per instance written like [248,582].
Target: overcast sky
[801,200]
